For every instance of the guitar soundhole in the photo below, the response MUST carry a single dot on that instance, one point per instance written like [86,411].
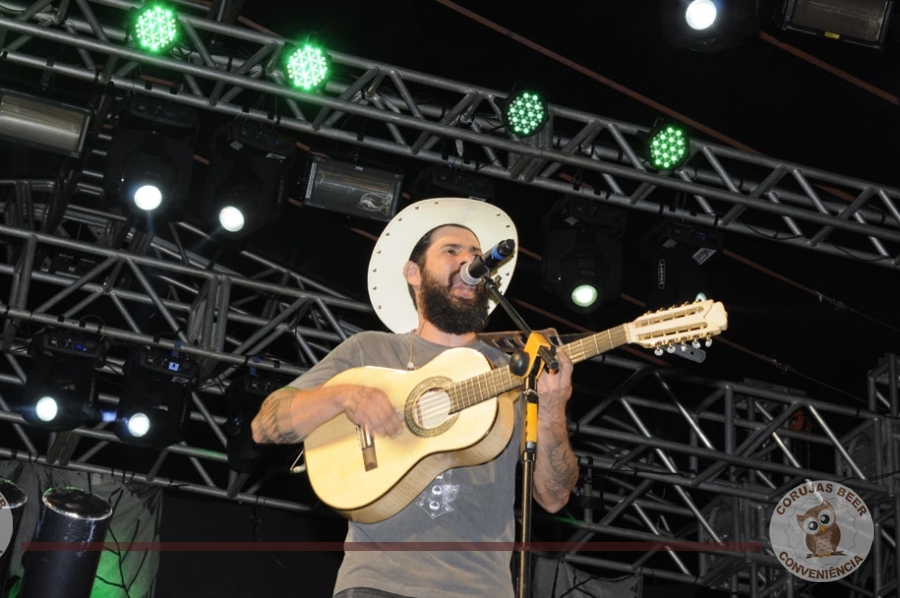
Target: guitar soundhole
[432,408]
[428,410]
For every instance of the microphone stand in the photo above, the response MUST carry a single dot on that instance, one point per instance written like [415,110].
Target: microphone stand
[527,364]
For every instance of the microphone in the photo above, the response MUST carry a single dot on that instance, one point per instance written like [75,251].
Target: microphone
[474,271]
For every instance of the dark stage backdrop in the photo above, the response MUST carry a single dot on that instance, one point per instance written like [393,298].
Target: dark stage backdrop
[307,574]
[244,574]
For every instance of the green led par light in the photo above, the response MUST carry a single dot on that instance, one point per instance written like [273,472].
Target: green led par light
[525,113]
[668,147]
[307,67]
[156,28]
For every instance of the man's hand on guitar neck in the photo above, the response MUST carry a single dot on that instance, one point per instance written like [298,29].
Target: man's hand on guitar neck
[555,388]
[555,467]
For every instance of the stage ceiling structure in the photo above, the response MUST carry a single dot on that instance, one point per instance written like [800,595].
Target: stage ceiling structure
[728,449]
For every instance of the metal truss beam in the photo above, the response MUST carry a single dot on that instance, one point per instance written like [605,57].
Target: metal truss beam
[726,455]
[201,328]
[728,450]
[720,186]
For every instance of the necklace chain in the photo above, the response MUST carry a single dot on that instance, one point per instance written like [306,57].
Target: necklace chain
[410,365]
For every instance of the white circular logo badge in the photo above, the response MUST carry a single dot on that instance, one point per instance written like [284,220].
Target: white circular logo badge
[6,524]
[821,531]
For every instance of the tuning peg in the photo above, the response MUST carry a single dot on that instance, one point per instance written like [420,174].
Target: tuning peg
[683,347]
[658,350]
[708,342]
[670,348]
[695,344]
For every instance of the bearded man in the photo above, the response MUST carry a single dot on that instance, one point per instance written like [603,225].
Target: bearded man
[420,254]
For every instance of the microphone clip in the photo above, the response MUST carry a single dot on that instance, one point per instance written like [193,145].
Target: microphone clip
[475,271]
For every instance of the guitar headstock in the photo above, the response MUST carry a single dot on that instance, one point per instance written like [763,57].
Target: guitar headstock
[682,324]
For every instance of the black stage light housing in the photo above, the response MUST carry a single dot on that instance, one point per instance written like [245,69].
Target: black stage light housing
[60,391]
[736,20]
[860,22]
[244,396]
[582,260]
[352,189]
[248,173]
[155,403]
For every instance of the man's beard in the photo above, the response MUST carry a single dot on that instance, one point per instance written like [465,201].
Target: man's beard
[450,314]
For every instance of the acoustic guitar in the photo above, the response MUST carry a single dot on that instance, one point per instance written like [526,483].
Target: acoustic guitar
[453,418]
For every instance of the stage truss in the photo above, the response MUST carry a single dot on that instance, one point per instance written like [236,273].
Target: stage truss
[729,449]
[460,125]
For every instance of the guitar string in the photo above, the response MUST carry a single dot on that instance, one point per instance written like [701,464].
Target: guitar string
[435,404]
[462,397]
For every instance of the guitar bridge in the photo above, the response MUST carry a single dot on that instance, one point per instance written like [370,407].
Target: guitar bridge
[367,444]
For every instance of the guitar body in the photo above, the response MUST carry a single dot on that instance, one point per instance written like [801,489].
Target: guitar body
[458,421]
[433,439]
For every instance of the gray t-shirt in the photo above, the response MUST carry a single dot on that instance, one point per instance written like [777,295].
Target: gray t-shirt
[465,504]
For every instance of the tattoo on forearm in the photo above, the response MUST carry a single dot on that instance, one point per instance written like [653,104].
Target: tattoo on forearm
[561,467]
[275,417]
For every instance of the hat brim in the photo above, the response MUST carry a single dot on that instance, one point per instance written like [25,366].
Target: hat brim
[388,290]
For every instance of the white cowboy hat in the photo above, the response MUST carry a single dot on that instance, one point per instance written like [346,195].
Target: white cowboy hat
[388,290]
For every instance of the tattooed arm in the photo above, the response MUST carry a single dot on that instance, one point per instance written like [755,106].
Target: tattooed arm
[288,415]
[555,465]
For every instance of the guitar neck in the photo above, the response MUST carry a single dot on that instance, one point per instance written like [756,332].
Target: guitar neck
[476,389]
[595,344]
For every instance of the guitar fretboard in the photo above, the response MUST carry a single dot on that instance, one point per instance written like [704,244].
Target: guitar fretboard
[482,387]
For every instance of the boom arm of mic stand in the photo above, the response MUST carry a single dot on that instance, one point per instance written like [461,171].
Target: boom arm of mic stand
[491,285]
[537,346]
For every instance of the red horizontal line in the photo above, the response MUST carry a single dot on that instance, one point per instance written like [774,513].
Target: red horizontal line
[391,546]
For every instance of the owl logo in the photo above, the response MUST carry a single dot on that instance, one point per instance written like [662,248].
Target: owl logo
[822,532]
[831,552]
